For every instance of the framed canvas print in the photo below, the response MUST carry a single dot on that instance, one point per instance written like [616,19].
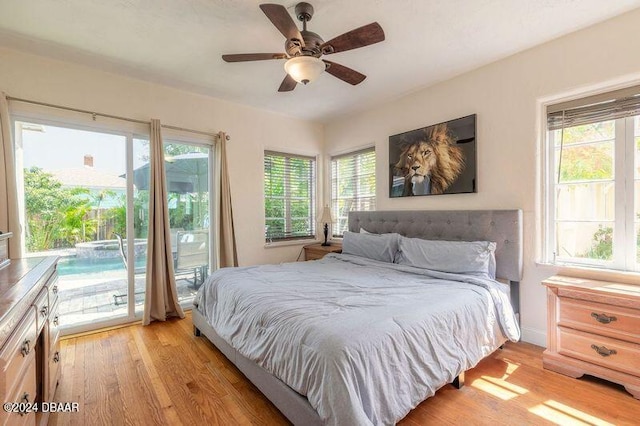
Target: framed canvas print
[433,160]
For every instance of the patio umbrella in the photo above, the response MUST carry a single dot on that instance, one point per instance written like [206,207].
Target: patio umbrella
[186,173]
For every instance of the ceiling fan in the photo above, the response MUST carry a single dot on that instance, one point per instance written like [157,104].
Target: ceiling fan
[304,48]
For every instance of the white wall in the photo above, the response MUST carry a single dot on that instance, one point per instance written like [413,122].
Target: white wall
[506,96]
[62,83]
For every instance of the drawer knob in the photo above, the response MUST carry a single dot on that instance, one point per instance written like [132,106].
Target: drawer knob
[26,347]
[44,311]
[603,351]
[56,320]
[603,318]
[24,400]
[56,357]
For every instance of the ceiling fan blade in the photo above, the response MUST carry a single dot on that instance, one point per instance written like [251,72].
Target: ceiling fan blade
[344,73]
[360,37]
[288,84]
[244,57]
[279,16]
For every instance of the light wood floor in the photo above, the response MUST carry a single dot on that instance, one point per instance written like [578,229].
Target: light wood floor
[162,374]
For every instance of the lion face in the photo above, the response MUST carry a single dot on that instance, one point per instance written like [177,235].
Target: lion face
[436,158]
[417,161]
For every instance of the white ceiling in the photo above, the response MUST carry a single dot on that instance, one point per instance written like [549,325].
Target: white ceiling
[179,42]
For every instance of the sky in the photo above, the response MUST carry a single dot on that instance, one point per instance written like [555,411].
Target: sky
[57,148]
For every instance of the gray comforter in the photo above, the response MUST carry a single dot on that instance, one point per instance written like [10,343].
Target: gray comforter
[365,341]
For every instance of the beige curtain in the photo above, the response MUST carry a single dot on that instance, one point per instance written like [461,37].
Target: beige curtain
[161,297]
[9,219]
[226,238]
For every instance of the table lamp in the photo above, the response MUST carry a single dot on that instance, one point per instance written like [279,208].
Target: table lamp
[326,218]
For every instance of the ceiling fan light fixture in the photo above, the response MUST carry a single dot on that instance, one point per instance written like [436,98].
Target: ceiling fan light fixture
[304,69]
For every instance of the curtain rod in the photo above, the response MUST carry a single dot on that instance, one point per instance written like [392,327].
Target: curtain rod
[94,114]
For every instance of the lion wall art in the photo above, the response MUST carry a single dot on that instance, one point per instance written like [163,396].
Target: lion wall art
[438,159]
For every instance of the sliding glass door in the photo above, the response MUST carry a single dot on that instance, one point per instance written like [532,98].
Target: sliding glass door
[76,202]
[84,196]
[187,168]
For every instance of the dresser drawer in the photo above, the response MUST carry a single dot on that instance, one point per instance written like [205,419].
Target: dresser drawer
[610,353]
[42,308]
[613,321]
[54,328]
[52,286]
[18,351]
[55,362]
[24,392]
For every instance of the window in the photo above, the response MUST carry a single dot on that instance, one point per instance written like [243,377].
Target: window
[353,185]
[289,196]
[593,198]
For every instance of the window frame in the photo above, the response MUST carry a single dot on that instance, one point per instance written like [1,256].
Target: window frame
[624,251]
[333,197]
[287,218]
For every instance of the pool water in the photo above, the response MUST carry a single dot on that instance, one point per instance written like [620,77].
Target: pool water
[73,266]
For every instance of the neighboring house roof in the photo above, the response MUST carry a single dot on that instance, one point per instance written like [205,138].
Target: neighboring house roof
[90,178]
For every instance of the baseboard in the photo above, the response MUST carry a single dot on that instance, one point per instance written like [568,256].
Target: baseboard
[535,336]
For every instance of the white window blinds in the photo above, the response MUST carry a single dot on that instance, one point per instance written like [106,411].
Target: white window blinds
[289,196]
[608,106]
[353,185]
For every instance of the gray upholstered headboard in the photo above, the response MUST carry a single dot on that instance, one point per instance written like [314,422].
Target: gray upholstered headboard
[504,227]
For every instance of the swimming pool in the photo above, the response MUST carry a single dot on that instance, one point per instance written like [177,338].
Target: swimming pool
[72,265]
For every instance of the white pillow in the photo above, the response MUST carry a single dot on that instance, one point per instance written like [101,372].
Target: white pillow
[460,257]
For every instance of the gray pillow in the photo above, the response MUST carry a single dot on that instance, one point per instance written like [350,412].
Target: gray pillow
[460,257]
[382,247]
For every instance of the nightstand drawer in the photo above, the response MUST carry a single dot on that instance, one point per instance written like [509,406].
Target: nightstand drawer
[612,321]
[318,251]
[314,255]
[600,350]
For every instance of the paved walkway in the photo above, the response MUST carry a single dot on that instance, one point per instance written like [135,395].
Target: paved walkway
[90,297]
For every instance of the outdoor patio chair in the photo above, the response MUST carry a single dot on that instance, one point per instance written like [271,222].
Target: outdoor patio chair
[192,255]
[119,299]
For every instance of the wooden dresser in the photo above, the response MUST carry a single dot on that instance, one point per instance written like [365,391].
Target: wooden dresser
[593,327]
[318,251]
[29,339]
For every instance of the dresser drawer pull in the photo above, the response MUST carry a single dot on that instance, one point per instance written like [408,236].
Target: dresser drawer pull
[55,289]
[56,320]
[44,311]
[24,401]
[56,357]
[603,351]
[26,347]
[603,318]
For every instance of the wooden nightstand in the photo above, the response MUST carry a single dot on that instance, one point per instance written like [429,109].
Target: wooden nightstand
[318,251]
[593,327]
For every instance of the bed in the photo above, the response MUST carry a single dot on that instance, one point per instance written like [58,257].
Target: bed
[319,338]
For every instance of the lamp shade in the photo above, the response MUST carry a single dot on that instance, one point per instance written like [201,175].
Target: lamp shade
[304,69]
[327,216]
